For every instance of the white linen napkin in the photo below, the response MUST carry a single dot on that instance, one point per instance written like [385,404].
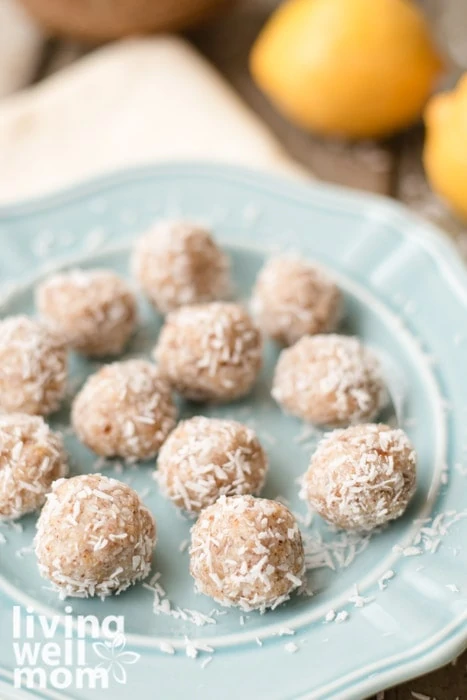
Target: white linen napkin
[21,41]
[137,101]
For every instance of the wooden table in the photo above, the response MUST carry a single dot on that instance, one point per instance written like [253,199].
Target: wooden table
[392,168]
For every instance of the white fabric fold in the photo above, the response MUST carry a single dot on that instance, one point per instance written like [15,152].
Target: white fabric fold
[130,103]
[21,42]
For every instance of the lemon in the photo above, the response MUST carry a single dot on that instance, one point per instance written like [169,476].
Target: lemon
[445,149]
[352,68]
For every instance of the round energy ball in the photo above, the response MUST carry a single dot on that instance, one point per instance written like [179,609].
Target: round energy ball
[178,263]
[210,351]
[248,552]
[204,458]
[94,537]
[124,410]
[31,458]
[329,380]
[361,477]
[33,367]
[293,298]
[94,311]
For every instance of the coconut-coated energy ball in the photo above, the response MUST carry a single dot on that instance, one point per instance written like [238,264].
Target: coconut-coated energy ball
[178,263]
[94,537]
[361,477]
[33,367]
[293,298]
[210,352]
[31,458]
[94,311]
[330,380]
[204,458]
[124,410]
[248,552]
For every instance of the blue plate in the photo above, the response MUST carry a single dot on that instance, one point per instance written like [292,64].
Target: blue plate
[384,608]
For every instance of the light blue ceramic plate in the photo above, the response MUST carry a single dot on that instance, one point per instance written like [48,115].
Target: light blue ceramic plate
[406,295]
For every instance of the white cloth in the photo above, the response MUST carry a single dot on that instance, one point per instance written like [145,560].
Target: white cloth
[20,44]
[137,101]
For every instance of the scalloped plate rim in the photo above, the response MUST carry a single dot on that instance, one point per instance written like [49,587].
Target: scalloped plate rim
[451,640]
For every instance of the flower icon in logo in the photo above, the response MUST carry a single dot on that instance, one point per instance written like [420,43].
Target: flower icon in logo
[115,658]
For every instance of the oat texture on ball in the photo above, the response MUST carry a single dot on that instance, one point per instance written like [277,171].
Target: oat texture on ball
[33,367]
[293,298]
[93,311]
[210,352]
[330,380]
[178,263]
[124,410]
[247,552]
[31,458]
[361,477]
[205,458]
[94,537]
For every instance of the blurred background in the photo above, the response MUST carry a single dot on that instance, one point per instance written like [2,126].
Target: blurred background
[55,34]
[365,93]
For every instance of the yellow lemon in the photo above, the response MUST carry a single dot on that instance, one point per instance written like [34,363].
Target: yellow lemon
[352,68]
[445,150]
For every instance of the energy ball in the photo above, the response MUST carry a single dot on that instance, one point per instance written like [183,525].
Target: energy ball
[178,263]
[361,477]
[210,352]
[124,410]
[94,311]
[204,458]
[33,367]
[330,380]
[293,298]
[94,537]
[248,552]
[31,458]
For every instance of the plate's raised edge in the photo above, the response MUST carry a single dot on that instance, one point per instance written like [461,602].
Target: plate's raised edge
[11,693]
[428,656]
[435,652]
[293,188]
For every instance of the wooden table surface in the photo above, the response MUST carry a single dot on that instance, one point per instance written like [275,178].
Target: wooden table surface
[392,168]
